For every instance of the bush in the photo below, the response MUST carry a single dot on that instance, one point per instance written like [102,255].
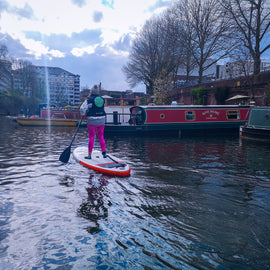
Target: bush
[198,95]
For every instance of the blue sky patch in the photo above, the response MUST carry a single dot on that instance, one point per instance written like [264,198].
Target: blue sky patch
[108,3]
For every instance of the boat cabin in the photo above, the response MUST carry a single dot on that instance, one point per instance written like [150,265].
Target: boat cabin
[180,119]
[187,114]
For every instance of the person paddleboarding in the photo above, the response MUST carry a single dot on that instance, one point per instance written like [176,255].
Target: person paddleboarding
[93,108]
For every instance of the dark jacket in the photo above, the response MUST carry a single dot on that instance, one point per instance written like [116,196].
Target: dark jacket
[96,106]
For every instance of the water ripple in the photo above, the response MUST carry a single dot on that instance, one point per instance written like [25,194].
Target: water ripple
[189,204]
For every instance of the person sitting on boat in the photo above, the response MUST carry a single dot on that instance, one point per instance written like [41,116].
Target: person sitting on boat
[93,108]
[136,117]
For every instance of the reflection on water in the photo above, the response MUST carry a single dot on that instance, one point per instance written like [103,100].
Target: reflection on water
[94,207]
[194,203]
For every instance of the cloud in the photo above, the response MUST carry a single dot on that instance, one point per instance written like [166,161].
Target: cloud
[4,5]
[123,44]
[38,49]
[79,3]
[81,51]
[24,12]
[64,43]
[159,4]
[15,47]
[93,68]
[97,16]
[91,38]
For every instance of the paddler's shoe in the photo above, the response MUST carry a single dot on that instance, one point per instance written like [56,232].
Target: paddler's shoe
[104,154]
[88,157]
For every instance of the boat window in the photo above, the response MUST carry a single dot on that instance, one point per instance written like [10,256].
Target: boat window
[231,115]
[190,115]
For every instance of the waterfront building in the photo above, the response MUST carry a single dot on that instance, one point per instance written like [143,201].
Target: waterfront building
[225,71]
[63,86]
[240,68]
[116,98]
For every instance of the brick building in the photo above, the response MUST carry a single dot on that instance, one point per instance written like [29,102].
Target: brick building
[253,86]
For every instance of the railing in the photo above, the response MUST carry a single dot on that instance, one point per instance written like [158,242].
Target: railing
[117,118]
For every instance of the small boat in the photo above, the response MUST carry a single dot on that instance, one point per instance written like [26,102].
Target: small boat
[181,119]
[47,122]
[258,125]
[52,117]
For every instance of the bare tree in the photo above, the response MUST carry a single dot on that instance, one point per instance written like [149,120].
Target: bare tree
[173,49]
[5,71]
[24,76]
[243,66]
[209,31]
[154,50]
[186,33]
[26,79]
[3,51]
[251,20]
[140,67]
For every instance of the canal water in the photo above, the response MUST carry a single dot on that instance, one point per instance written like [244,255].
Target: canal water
[190,203]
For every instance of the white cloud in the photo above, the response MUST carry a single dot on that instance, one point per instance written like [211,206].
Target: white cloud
[81,51]
[76,28]
[61,16]
[35,48]
[56,53]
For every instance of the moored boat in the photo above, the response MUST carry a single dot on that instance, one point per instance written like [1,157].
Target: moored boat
[47,122]
[258,125]
[181,120]
[141,120]
[52,117]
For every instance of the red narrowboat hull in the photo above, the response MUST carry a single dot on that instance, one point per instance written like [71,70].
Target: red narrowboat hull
[182,119]
[197,114]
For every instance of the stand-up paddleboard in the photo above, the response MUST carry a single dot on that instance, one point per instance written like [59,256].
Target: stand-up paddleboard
[110,165]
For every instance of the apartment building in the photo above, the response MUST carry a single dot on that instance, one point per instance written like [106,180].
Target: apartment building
[227,71]
[63,86]
[237,69]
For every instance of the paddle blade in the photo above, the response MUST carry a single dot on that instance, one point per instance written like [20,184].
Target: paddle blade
[65,155]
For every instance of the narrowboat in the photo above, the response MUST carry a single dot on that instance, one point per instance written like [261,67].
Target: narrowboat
[258,125]
[181,119]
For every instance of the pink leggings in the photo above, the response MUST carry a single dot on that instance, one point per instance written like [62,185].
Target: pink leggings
[92,131]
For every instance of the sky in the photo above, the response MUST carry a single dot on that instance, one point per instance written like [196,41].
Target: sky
[91,38]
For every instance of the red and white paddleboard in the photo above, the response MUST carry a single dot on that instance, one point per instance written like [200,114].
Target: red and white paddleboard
[110,165]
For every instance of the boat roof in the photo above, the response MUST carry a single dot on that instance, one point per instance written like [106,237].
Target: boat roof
[193,106]
[259,117]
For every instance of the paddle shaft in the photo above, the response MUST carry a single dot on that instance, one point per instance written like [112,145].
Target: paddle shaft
[76,131]
[123,164]
[64,157]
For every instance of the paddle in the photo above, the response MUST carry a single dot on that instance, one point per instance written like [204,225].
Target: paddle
[66,153]
[122,164]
